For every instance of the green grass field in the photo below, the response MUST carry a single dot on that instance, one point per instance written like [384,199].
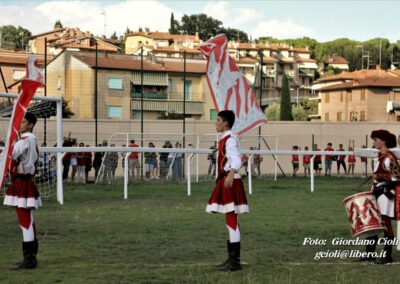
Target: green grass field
[160,235]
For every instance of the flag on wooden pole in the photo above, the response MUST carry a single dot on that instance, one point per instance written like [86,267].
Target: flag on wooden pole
[229,88]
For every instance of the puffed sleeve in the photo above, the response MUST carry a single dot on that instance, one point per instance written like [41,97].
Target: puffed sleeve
[19,148]
[393,166]
[233,153]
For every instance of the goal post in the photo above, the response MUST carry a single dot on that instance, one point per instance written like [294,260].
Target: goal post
[44,108]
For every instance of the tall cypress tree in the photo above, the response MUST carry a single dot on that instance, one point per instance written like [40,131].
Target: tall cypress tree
[286,106]
[173,25]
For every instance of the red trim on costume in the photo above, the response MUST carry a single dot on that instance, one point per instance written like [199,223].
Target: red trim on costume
[24,217]
[232,220]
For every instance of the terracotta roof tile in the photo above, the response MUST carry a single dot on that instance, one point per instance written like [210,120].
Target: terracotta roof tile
[335,59]
[133,63]
[356,75]
[365,82]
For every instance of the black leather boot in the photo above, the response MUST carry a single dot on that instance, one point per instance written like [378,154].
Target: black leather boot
[225,263]
[29,262]
[388,252]
[234,258]
[369,248]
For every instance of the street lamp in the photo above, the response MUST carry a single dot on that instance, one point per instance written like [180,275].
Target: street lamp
[297,94]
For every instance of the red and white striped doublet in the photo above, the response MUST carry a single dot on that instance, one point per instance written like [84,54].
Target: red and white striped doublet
[224,200]
[23,192]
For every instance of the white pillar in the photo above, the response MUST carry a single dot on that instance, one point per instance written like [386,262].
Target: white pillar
[59,128]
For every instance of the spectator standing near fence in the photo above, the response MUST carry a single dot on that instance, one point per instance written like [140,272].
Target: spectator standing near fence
[164,160]
[341,161]
[211,162]
[317,166]
[98,159]
[74,162]
[245,162]
[257,164]
[88,164]
[81,164]
[134,163]
[306,162]
[295,161]
[363,164]
[352,162]
[177,172]
[149,162]
[328,160]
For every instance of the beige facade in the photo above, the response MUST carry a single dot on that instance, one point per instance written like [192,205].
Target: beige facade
[361,104]
[119,96]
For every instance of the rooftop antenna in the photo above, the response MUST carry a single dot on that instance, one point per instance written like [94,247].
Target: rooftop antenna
[103,12]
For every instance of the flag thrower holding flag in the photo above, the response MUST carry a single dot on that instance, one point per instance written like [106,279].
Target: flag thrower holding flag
[19,160]
[238,113]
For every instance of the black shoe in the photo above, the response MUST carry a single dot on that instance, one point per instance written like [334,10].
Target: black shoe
[388,253]
[225,263]
[384,260]
[369,248]
[234,258]
[29,250]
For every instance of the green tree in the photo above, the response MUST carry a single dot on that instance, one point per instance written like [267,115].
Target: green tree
[273,112]
[173,25]
[58,25]
[299,113]
[286,106]
[206,26]
[235,34]
[14,38]
[114,35]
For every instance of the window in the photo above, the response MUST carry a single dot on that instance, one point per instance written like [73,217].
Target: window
[114,112]
[213,114]
[363,95]
[350,96]
[327,97]
[362,115]
[339,116]
[170,86]
[188,89]
[114,84]
[341,96]
[327,116]
[18,74]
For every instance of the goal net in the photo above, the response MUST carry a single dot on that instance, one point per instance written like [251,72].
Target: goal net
[46,131]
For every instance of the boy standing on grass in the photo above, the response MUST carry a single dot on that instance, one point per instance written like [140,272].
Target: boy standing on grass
[317,167]
[229,197]
[295,161]
[306,162]
[328,160]
[351,162]
[341,161]
[23,193]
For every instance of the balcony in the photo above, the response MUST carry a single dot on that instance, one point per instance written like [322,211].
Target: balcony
[170,106]
[307,72]
[270,73]
[290,73]
[161,96]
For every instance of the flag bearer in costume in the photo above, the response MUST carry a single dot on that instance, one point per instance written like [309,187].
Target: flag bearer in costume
[23,193]
[229,197]
[385,179]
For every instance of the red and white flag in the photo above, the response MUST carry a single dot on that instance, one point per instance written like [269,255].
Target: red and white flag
[29,85]
[229,87]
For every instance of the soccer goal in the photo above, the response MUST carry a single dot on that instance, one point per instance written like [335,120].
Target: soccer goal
[48,132]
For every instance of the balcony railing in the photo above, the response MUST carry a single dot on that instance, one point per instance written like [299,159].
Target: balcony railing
[161,96]
[306,72]
[170,106]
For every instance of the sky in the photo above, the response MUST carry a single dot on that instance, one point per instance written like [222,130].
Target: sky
[323,20]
